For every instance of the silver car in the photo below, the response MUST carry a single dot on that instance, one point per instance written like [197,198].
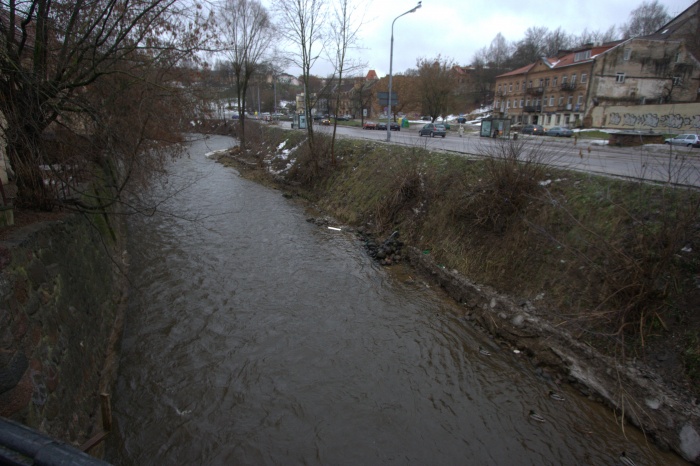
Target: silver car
[688,140]
[559,131]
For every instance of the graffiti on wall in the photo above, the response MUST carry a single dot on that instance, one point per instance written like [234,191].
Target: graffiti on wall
[653,120]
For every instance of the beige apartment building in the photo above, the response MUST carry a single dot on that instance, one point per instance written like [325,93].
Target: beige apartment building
[577,87]
[549,92]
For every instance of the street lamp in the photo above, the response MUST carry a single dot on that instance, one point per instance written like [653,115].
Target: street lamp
[391,62]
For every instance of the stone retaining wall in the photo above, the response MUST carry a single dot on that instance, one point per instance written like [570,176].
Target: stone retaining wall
[58,307]
[665,417]
[662,118]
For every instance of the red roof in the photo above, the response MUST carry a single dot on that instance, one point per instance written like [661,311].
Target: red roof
[564,60]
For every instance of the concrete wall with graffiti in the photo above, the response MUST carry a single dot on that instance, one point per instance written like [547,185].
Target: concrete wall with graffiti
[667,118]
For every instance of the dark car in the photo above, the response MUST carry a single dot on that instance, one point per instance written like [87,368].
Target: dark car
[533,129]
[432,130]
[688,140]
[560,131]
[395,126]
[461,120]
[369,125]
[381,126]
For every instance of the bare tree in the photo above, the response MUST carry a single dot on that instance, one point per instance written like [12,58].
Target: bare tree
[435,84]
[557,40]
[344,30]
[592,37]
[531,47]
[301,24]
[248,34]
[57,55]
[645,19]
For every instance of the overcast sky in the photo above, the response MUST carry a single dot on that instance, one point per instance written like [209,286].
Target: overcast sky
[456,29]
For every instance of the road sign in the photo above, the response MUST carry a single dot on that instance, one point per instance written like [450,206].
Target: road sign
[383,98]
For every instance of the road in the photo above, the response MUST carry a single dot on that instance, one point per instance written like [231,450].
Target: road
[652,162]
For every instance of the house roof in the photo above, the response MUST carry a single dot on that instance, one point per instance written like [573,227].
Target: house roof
[371,74]
[567,59]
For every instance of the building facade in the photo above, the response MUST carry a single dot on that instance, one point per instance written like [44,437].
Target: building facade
[658,69]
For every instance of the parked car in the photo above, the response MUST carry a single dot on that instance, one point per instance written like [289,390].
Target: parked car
[559,131]
[461,120]
[533,129]
[381,126]
[688,140]
[432,130]
[369,125]
[394,126]
[344,118]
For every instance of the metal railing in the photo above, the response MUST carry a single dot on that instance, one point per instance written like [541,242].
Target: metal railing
[21,445]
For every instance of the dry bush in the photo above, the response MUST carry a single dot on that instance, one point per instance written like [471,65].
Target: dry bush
[511,180]
[633,255]
[404,184]
[313,162]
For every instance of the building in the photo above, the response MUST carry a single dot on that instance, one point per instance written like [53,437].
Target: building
[585,87]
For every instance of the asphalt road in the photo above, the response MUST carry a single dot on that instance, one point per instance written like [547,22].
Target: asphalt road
[652,162]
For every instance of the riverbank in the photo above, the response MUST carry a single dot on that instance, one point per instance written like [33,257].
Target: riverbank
[594,278]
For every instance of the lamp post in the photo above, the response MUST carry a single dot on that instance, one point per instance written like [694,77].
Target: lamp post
[391,62]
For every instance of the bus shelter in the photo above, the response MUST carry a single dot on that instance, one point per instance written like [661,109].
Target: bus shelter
[495,128]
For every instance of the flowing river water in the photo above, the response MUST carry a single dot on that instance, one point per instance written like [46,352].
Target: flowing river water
[255,337]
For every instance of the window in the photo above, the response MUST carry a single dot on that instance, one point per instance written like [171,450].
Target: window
[541,82]
[517,86]
[573,79]
[620,77]
[561,101]
[678,57]
[510,88]
[677,81]
[546,82]
[527,102]
[507,103]
[523,85]
[557,119]
[563,80]
[584,78]
[544,100]
[554,81]
[569,100]
[530,84]
[579,101]
[627,54]
[551,100]
[497,103]
[585,55]
[499,89]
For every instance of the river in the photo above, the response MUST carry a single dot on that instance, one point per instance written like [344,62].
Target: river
[255,337]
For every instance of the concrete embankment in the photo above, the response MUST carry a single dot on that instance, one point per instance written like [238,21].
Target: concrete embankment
[60,303]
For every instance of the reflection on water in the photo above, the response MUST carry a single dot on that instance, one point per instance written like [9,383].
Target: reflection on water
[255,337]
